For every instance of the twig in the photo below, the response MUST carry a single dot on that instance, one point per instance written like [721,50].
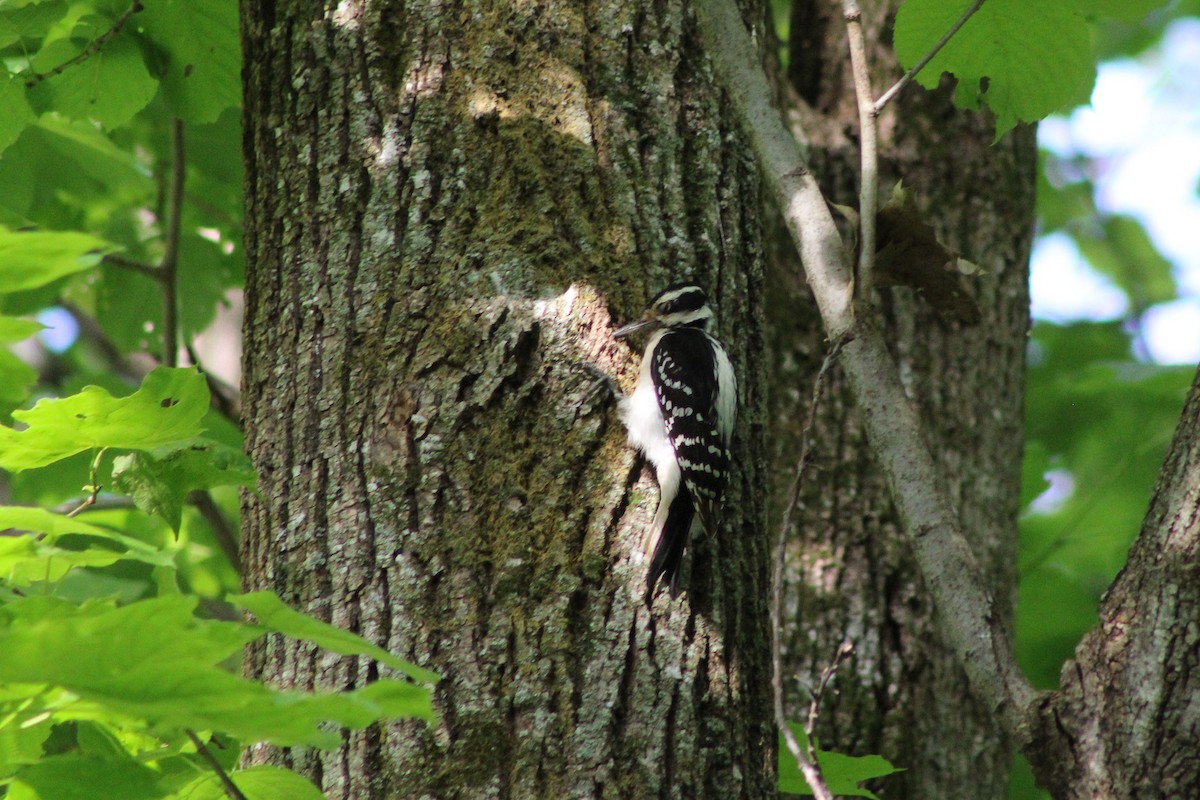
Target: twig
[887,96]
[223,532]
[168,269]
[844,651]
[93,503]
[868,187]
[133,265]
[88,51]
[231,789]
[226,399]
[93,488]
[806,761]
[88,502]
[951,573]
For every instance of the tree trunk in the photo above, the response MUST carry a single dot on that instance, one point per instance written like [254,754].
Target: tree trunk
[851,574]
[1125,722]
[447,207]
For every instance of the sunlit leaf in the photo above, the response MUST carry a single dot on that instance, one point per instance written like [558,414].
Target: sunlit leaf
[33,258]
[273,613]
[1024,58]
[85,777]
[167,408]
[54,526]
[263,782]
[156,660]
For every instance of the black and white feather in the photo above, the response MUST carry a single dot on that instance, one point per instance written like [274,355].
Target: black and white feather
[681,415]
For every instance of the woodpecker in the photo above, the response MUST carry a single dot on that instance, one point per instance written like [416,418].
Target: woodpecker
[681,415]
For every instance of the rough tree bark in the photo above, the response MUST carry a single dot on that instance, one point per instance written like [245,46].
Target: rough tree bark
[851,572]
[446,204]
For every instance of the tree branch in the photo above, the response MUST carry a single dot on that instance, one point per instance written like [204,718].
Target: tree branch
[868,187]
[887,96]
[951,573]
[224,533]
[133,265]
[88,51]
[806,760]
[230,788]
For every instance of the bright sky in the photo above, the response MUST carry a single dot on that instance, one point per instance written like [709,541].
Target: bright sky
[1143,127]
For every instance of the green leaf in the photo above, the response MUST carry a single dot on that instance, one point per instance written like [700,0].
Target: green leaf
[85,148]
[1126,10]
[1024,58]
[205,274]
[13,329]
[21,736]
[109,86]
[32,20]
[15,113]
[1105,421]
[1121,249]
[15,375]
[201,73]
[85,777]
[1034,467]
[264,782]
[55,526]
[29,259]
[25,561]
[160,479]
[276,615]
[842,773]
[155,660]
[167,408]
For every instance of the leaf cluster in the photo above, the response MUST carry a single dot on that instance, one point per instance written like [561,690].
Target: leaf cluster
[121,634]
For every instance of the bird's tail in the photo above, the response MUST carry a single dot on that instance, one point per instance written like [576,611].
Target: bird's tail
[668,550]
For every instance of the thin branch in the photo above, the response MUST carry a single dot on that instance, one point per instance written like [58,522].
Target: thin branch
[844,651]
[223,532]
[93,503]
[868,187]
[168,269]
[951,573]
[887,96]
[807,761]
[87,503]
[226,399]
[231,789]
[133,265]
[88,51]
[93,488]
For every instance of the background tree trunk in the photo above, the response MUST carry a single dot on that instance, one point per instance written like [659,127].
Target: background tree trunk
[851,575]
[446,206]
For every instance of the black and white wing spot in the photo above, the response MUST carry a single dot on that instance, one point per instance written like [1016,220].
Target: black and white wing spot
[685,382]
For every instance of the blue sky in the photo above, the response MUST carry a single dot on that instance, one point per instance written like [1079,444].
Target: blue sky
[1143,131]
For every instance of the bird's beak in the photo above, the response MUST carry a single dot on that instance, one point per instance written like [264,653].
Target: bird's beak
[642,324]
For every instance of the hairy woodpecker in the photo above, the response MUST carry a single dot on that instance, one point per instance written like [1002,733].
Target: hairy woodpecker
[681,416]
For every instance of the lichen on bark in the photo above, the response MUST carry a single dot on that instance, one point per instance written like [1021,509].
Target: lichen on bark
[447,207]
